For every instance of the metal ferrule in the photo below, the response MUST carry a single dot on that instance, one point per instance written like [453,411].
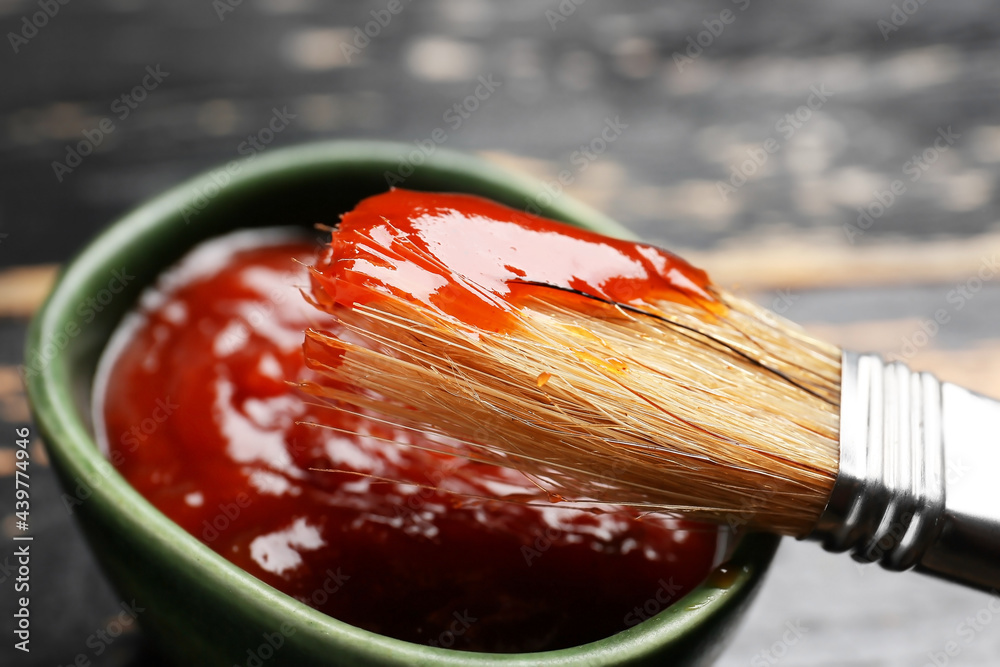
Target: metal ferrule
[919,478]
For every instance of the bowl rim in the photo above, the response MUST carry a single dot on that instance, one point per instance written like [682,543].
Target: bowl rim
[74,450]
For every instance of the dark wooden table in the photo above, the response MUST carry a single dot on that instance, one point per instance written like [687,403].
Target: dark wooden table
[837,162]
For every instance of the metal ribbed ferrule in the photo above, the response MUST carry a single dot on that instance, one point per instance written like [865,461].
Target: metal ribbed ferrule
[919,478]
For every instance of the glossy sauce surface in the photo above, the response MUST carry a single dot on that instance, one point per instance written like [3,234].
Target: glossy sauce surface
[478,261]
[199,416]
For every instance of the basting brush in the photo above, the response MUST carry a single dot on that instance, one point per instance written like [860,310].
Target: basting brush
[612,372]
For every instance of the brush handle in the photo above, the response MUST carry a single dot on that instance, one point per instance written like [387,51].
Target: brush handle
[919,478]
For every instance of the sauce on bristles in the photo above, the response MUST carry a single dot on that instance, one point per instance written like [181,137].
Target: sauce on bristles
[662,392]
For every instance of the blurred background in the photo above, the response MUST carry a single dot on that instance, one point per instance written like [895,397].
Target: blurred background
[837,162]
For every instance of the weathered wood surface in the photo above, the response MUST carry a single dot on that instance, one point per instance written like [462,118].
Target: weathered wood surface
[792,236]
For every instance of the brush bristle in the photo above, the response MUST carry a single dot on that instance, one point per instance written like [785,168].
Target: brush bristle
[731,418]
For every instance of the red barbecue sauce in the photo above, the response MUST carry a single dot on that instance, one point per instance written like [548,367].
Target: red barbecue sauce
[478,261]
[199,416]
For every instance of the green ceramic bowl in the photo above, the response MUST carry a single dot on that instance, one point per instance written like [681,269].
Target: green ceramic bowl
[201,609]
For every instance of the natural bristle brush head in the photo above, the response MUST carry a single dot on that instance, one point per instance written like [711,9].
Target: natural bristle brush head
[637,384]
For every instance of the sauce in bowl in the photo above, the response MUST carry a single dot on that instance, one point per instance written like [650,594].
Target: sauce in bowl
[198,410]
